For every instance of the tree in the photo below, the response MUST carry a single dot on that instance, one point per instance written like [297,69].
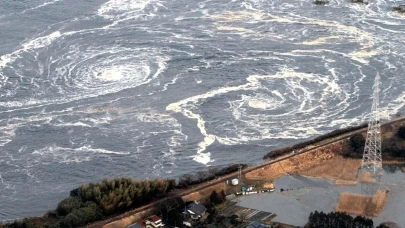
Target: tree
[217,198]
[401,132]
[70,221]
[337,220]
[170,208]
[67,205]
[357,141]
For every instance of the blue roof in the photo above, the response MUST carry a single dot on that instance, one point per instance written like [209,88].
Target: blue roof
[256,224]
[196,208]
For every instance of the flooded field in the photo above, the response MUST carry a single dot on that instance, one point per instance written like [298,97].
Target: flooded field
[301,195]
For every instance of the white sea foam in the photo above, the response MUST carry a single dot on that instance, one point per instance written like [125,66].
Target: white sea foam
[42,5]
[363,38]
[127,9]
[41,42]
[92,72]
[69,155]
[274,100]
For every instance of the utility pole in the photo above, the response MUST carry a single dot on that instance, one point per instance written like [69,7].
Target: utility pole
[240,173]
[372,160]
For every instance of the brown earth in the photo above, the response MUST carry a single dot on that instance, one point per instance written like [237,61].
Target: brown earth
[362,204]
[124,222]
[393,162]
[337,168]
[403,169]
[345,183]
[367,177]
[295,164]
[268,185]
[205,193]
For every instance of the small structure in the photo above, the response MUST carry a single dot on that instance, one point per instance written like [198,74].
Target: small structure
[321,2]
[400,8]
[196,210]
[230,197]
[235,181]
[153,221]
[248,188]
[256,224]
[187,224]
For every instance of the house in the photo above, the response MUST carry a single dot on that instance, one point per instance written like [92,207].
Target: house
[153,221]
[196,210]
[256,224]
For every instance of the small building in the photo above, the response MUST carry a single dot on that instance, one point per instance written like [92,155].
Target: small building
[247,188]
[196,210]
[153,221]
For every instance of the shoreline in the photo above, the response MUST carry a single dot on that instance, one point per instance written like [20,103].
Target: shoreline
[317,159]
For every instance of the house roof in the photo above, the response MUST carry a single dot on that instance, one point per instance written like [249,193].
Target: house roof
[256,224]
[196,208]
[153,218]
[142,223]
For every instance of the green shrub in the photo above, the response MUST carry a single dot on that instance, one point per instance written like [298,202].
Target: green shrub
[70,221]
[401,132]
[357,141]
[68,205]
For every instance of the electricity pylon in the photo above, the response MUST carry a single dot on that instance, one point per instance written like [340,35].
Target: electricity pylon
[372,160]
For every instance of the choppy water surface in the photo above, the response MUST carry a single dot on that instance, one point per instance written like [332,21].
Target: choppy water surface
[159,88]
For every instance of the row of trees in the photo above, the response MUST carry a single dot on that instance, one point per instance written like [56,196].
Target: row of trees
[337,220]
[389,148]
[202,176]
[95,201]
[116,195]
[276,153]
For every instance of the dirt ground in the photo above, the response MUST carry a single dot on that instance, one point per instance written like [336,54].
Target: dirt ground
[205,193]
[311,164]
[403,169]
[362,204]
[367,177]
[345,183]
[124,222]
[337,168]
[268,185]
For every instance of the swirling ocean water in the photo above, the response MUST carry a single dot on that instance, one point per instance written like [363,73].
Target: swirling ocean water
[158,88]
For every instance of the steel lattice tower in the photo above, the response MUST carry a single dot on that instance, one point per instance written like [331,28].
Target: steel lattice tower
[372,160]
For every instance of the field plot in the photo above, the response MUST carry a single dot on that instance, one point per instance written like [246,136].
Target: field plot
[247,214]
